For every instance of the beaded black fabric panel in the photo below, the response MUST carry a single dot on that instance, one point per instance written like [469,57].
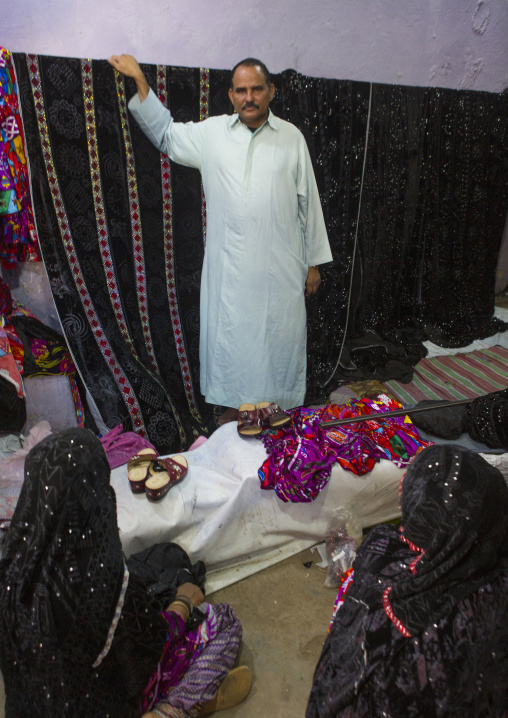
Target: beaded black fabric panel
[121,233]
[415,221]
[431,204]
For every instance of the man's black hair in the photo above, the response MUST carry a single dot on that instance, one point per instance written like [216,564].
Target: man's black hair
[251,62]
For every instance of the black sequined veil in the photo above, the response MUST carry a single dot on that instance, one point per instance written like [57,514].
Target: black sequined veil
[62,573]
[423,627]
[414,187]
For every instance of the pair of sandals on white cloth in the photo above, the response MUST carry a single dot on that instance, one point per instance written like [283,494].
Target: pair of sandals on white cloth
[154,476]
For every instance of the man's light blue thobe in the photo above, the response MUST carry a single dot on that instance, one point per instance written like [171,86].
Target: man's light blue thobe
[265,227]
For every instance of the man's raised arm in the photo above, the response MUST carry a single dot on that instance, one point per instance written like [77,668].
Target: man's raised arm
[129,66]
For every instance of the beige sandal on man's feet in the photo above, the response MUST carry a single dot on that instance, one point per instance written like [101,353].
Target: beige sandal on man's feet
[233,690]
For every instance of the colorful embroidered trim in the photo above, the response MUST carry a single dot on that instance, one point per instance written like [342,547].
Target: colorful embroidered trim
[167,208]
[413,547]
[100,214]
[137,238]
[345,582]
[389,612]
[95,326]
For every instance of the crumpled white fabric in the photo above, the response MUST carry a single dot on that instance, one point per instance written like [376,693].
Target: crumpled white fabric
[12,470]
[218,513]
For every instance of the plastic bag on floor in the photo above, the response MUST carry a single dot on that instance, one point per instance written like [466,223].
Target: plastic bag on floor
[343,537]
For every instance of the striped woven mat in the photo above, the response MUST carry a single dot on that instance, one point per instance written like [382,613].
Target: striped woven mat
[458,376]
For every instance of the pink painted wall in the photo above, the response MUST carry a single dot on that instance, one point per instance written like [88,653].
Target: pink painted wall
[447,43]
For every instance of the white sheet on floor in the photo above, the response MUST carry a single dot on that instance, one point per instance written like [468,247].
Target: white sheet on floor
[219,514]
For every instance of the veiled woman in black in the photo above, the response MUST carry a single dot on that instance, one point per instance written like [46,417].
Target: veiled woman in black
[83,631]
[423,628]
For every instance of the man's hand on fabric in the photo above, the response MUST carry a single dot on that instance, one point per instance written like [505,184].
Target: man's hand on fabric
[313,281]
[128,65]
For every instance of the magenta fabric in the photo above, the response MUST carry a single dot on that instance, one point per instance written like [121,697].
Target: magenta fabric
[301,456]
[121,446]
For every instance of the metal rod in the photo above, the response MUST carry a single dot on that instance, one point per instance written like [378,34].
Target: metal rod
[380,416]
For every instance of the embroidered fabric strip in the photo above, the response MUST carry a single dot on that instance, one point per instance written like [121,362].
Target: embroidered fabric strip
[114,623]
[345,583]
[301,456]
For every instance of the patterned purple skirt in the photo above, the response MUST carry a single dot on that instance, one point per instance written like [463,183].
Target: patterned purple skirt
[194,662]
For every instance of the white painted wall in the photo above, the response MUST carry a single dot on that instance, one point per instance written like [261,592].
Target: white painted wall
[447,43]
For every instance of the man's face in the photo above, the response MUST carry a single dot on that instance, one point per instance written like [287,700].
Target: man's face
[251,95]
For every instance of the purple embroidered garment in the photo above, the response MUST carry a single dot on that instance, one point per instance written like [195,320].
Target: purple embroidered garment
[301,456]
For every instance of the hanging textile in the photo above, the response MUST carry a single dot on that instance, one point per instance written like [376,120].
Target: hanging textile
[110,209]
[414,187]
[431,206]
[18,238]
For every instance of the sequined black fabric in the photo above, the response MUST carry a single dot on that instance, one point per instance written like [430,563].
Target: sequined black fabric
[487,420]
[12,407]
[451,599]
[113,357]
[61,574]
[414,234]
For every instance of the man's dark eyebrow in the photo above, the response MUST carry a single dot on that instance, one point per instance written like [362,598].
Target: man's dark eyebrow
[242,89]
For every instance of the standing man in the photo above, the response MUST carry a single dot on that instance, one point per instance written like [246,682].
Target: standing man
[265,236]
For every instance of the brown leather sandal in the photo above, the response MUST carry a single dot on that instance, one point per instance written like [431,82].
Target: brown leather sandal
[163,475]
[248,420]
[138,468]
[271,415]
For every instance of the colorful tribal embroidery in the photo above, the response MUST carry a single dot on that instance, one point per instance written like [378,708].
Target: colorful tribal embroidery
[137,237]
[68,243]
[167,205]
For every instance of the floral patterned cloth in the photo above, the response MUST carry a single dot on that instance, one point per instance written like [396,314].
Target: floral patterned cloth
[18,238]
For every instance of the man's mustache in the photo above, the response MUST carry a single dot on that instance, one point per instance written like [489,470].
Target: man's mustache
[248,105]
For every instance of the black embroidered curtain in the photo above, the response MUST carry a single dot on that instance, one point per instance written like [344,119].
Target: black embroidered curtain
[415,225]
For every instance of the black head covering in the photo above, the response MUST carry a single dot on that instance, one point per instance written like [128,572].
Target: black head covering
[423,628]
[455,509]
[62,559]
[61,575]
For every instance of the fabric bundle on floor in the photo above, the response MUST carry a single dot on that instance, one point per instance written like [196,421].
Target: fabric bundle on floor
[30,348]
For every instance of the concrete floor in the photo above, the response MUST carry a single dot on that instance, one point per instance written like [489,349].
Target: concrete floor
[285,611]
